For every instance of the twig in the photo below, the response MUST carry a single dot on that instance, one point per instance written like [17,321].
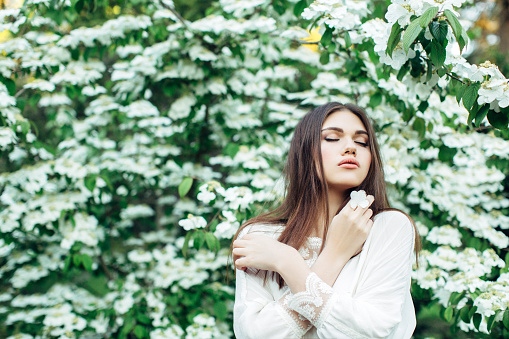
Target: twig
[215,216]
[482,128]
[454,77]
[20,92]
[105,268]
[177,14]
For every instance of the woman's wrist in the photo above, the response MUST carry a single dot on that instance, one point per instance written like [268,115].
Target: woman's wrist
[329,264]
[335,255]
[293,269]
[288,256]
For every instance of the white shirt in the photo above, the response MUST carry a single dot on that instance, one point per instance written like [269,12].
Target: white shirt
[370,298]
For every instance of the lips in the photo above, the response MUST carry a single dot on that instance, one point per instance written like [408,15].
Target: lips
[349,163]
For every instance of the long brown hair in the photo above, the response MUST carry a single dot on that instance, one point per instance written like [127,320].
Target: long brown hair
[305,202]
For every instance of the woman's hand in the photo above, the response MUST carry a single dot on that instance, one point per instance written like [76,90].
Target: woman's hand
[349,229]
[261,252]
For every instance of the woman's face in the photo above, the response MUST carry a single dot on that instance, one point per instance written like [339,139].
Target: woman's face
[346,155]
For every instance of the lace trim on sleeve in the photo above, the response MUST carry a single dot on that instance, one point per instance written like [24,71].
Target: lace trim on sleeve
[315,302]
[299,324]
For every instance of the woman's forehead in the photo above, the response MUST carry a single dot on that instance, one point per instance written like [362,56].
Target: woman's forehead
[344,120]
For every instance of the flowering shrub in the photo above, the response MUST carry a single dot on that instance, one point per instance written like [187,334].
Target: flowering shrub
[134,143]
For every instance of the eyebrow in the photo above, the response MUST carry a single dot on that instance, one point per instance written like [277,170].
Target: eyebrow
[341,130]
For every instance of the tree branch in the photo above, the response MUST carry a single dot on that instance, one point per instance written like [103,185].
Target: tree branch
[455,77]
[177,14]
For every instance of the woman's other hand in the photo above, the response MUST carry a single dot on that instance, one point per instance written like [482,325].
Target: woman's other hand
[260,252]
[349,229]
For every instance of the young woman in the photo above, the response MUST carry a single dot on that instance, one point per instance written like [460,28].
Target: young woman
[330,262]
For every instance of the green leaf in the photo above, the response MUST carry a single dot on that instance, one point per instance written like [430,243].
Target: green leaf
[437,54]
[462,40]
[420,126]
[199,239]
[429,70]
[90,182]
[403,71]
[427,16]
[417,65]
[473,308]
[457,29]
[220,310]
[439,30]
[505,319]
[470,95]
[481,114]
[185,247]
[394,38]
[107,181]
[455,298]
[460,92]
[446,154]
[472,114]
[67,263]
[10,84]
[407,115]
[448,314]
[498,120]
[331,48]
[25,127]
[327,36]
[185,186]
[87,262]
[34,99]
[140,332]
[76,259]
[231,149]
[423,106]
[348,40]
[324,58]
[142,318]
[491,320]
[477,320]
[128,325]
[79,5]
[375,100]
[218,244]
[173,300]
[210,238]
[441,71]
[299,7]
[464,314]
[411,34]
[430,127]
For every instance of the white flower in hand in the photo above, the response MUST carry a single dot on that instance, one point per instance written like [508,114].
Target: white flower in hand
[358,198]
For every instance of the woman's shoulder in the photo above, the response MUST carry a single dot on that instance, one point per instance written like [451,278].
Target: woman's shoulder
[271,230]
[394,221]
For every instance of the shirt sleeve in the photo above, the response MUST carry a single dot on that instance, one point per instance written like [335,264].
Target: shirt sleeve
[375,308]
[256,313]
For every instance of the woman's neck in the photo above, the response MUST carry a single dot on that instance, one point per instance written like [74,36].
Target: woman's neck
[335,200]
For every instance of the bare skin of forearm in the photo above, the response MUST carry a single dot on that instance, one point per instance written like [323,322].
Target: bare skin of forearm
[329,264]
[294,269]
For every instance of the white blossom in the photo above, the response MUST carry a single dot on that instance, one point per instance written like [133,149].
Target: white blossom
[192,222]
[445,235]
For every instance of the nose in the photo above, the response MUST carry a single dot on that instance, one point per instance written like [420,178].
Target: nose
[350,147]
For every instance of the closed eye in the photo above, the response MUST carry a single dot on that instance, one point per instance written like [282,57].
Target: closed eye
[363,144]
[331,139]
